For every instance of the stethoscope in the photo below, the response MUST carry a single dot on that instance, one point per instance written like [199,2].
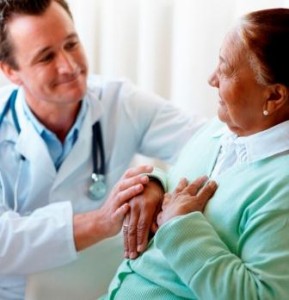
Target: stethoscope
[97,188]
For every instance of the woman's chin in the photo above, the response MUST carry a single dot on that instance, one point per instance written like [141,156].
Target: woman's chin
[222,114]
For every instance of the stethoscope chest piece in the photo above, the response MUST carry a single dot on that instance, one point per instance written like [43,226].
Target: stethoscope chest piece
[97,189]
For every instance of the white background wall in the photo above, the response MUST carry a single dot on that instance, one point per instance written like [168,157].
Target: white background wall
[166,46]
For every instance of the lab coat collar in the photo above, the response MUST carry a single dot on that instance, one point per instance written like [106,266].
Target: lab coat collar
[79,154]
[82,150]
[29,143]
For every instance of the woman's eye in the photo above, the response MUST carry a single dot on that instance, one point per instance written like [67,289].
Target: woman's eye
[226,70]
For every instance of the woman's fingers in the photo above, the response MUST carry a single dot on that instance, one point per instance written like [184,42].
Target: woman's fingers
[125,229]
[194,187]
[206,193]
[181,185]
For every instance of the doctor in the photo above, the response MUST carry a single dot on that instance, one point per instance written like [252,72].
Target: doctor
[66,138]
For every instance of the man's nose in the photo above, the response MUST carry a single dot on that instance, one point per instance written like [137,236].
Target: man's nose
[65,63]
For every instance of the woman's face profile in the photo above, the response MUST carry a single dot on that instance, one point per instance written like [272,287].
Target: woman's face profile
[241,97]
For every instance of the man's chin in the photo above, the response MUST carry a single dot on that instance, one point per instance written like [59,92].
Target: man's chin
[73,88]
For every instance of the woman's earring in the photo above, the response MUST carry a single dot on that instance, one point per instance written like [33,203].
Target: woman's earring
[265,112]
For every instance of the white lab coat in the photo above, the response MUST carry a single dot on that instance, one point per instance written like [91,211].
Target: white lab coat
[36,231]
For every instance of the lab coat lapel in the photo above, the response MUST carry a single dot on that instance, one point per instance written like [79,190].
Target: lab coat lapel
[33,148]
[80,154]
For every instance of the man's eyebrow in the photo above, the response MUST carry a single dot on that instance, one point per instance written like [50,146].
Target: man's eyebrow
[39,53]
[71,36]
[43,51]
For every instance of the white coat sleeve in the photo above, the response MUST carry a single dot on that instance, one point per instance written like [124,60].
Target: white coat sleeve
[37,242]
[162,128]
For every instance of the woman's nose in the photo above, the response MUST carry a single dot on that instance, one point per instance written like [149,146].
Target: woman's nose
[213,80]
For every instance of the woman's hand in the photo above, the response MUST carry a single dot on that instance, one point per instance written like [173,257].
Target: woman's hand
[186,198]
[140,219]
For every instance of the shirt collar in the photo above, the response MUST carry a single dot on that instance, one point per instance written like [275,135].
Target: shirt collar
[258,146]
[43,131]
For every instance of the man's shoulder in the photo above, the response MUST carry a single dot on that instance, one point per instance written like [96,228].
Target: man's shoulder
[109,91]
[101,81]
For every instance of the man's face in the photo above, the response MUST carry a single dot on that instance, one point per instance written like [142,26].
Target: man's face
[52,64]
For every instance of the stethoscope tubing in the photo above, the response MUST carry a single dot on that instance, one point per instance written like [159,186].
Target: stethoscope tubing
[97,141]
[98,155]
[98,150]
[10,105]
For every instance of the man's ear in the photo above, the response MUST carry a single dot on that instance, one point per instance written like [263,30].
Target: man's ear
[277,96]
[10,73]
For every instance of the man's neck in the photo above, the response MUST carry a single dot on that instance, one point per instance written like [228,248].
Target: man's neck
[58,119]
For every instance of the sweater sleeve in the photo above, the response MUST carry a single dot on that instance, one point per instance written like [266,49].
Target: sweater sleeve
[259,269]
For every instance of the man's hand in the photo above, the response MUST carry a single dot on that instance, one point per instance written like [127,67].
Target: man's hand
[140,219]
[186,198]
[94,226]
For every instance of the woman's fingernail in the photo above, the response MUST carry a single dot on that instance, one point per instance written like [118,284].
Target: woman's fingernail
[132,255]
[140,248]
[212,184]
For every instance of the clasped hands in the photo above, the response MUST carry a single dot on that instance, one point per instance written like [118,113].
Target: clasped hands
[145,206]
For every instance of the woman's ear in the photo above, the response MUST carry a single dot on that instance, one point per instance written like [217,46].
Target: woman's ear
[10,73]
[277,96]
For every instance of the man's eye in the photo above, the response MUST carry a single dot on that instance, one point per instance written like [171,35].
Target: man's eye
[71,45]
[47,58]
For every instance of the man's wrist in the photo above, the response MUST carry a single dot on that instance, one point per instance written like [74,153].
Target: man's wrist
[88,229]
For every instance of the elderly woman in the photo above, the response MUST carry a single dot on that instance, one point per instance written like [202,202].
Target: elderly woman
[236,246]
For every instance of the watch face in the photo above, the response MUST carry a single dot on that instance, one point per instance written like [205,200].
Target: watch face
[97,190]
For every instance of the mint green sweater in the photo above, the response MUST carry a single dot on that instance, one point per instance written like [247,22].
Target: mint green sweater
[237,250]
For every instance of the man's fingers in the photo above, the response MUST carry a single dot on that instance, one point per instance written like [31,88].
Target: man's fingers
[120,212]
[127,194]
[138,171]
[130,182]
